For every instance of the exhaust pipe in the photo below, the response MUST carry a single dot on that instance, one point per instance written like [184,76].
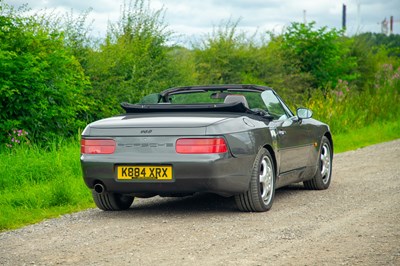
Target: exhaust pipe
[99,188]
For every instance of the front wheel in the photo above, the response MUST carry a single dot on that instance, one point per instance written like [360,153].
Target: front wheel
[260,195]
[322,178]
[107,201]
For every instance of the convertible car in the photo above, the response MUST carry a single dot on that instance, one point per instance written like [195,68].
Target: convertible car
[238,141]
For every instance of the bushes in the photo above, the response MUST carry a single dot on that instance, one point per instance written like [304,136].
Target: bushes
[225,57]
[132,61]
[345,108]
[348,83]
[41,83]
[323,53]
[299,60]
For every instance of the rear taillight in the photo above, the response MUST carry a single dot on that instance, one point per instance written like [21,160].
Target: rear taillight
[199,146]
[97,146]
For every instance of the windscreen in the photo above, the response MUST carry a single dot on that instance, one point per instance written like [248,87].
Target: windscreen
[254,99]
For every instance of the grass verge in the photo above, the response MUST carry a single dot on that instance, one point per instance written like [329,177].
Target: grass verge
[369,135]
[38,184]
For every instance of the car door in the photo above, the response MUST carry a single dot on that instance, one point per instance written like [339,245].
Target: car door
[293,136]
[294,143]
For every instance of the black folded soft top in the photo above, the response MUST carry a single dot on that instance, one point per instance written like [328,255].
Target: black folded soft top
[236,107]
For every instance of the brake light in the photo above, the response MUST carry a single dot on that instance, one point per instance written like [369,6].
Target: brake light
[97,146]
[199,146]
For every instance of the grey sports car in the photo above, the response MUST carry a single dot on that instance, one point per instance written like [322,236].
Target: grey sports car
[232,140]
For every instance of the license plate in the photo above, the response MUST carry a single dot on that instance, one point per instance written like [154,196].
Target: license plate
[159,172]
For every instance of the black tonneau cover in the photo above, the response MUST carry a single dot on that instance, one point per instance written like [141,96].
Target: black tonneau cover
[236,107]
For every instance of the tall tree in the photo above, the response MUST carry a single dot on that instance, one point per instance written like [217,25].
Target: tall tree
[323,53]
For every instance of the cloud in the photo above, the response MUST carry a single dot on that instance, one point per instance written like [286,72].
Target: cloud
[200,16]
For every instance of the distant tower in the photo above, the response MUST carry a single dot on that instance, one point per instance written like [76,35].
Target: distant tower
[304,16]
[391,25]
[344,18]
[384,27]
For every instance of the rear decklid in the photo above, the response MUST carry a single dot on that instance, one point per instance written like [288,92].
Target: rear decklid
[165,119]
[154,124]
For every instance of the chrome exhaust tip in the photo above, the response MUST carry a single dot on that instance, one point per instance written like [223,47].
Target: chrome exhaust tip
[99,188]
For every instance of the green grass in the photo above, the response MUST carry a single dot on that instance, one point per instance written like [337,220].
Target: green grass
[38,184]
[372,134]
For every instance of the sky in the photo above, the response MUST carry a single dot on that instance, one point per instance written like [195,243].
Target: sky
[196,18]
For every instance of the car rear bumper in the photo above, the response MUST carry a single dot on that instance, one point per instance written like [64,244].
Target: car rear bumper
[195,173]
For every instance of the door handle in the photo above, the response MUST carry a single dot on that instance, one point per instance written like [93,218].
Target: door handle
[281,132]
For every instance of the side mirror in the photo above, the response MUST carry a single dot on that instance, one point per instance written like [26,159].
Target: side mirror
[304,113]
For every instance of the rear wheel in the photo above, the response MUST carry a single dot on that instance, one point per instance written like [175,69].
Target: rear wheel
[112,201]
[322,178]
[261,193]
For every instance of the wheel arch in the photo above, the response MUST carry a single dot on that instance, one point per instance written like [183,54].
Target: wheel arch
[271,151]
[328,135]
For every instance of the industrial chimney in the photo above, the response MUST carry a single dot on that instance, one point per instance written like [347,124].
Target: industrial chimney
[344,18]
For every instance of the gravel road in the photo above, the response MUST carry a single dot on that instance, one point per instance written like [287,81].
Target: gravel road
[355,222]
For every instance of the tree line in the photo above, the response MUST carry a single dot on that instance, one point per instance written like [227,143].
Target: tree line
[54,79]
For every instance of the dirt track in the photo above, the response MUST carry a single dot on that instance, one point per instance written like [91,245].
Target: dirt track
[355,222]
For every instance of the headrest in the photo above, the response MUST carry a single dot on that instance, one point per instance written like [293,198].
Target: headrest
[233,98]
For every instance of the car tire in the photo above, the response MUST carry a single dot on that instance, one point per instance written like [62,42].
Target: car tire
[260,195]
[323,176]
[112,201]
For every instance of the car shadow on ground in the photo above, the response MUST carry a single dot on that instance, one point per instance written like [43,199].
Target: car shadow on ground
[199,203]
